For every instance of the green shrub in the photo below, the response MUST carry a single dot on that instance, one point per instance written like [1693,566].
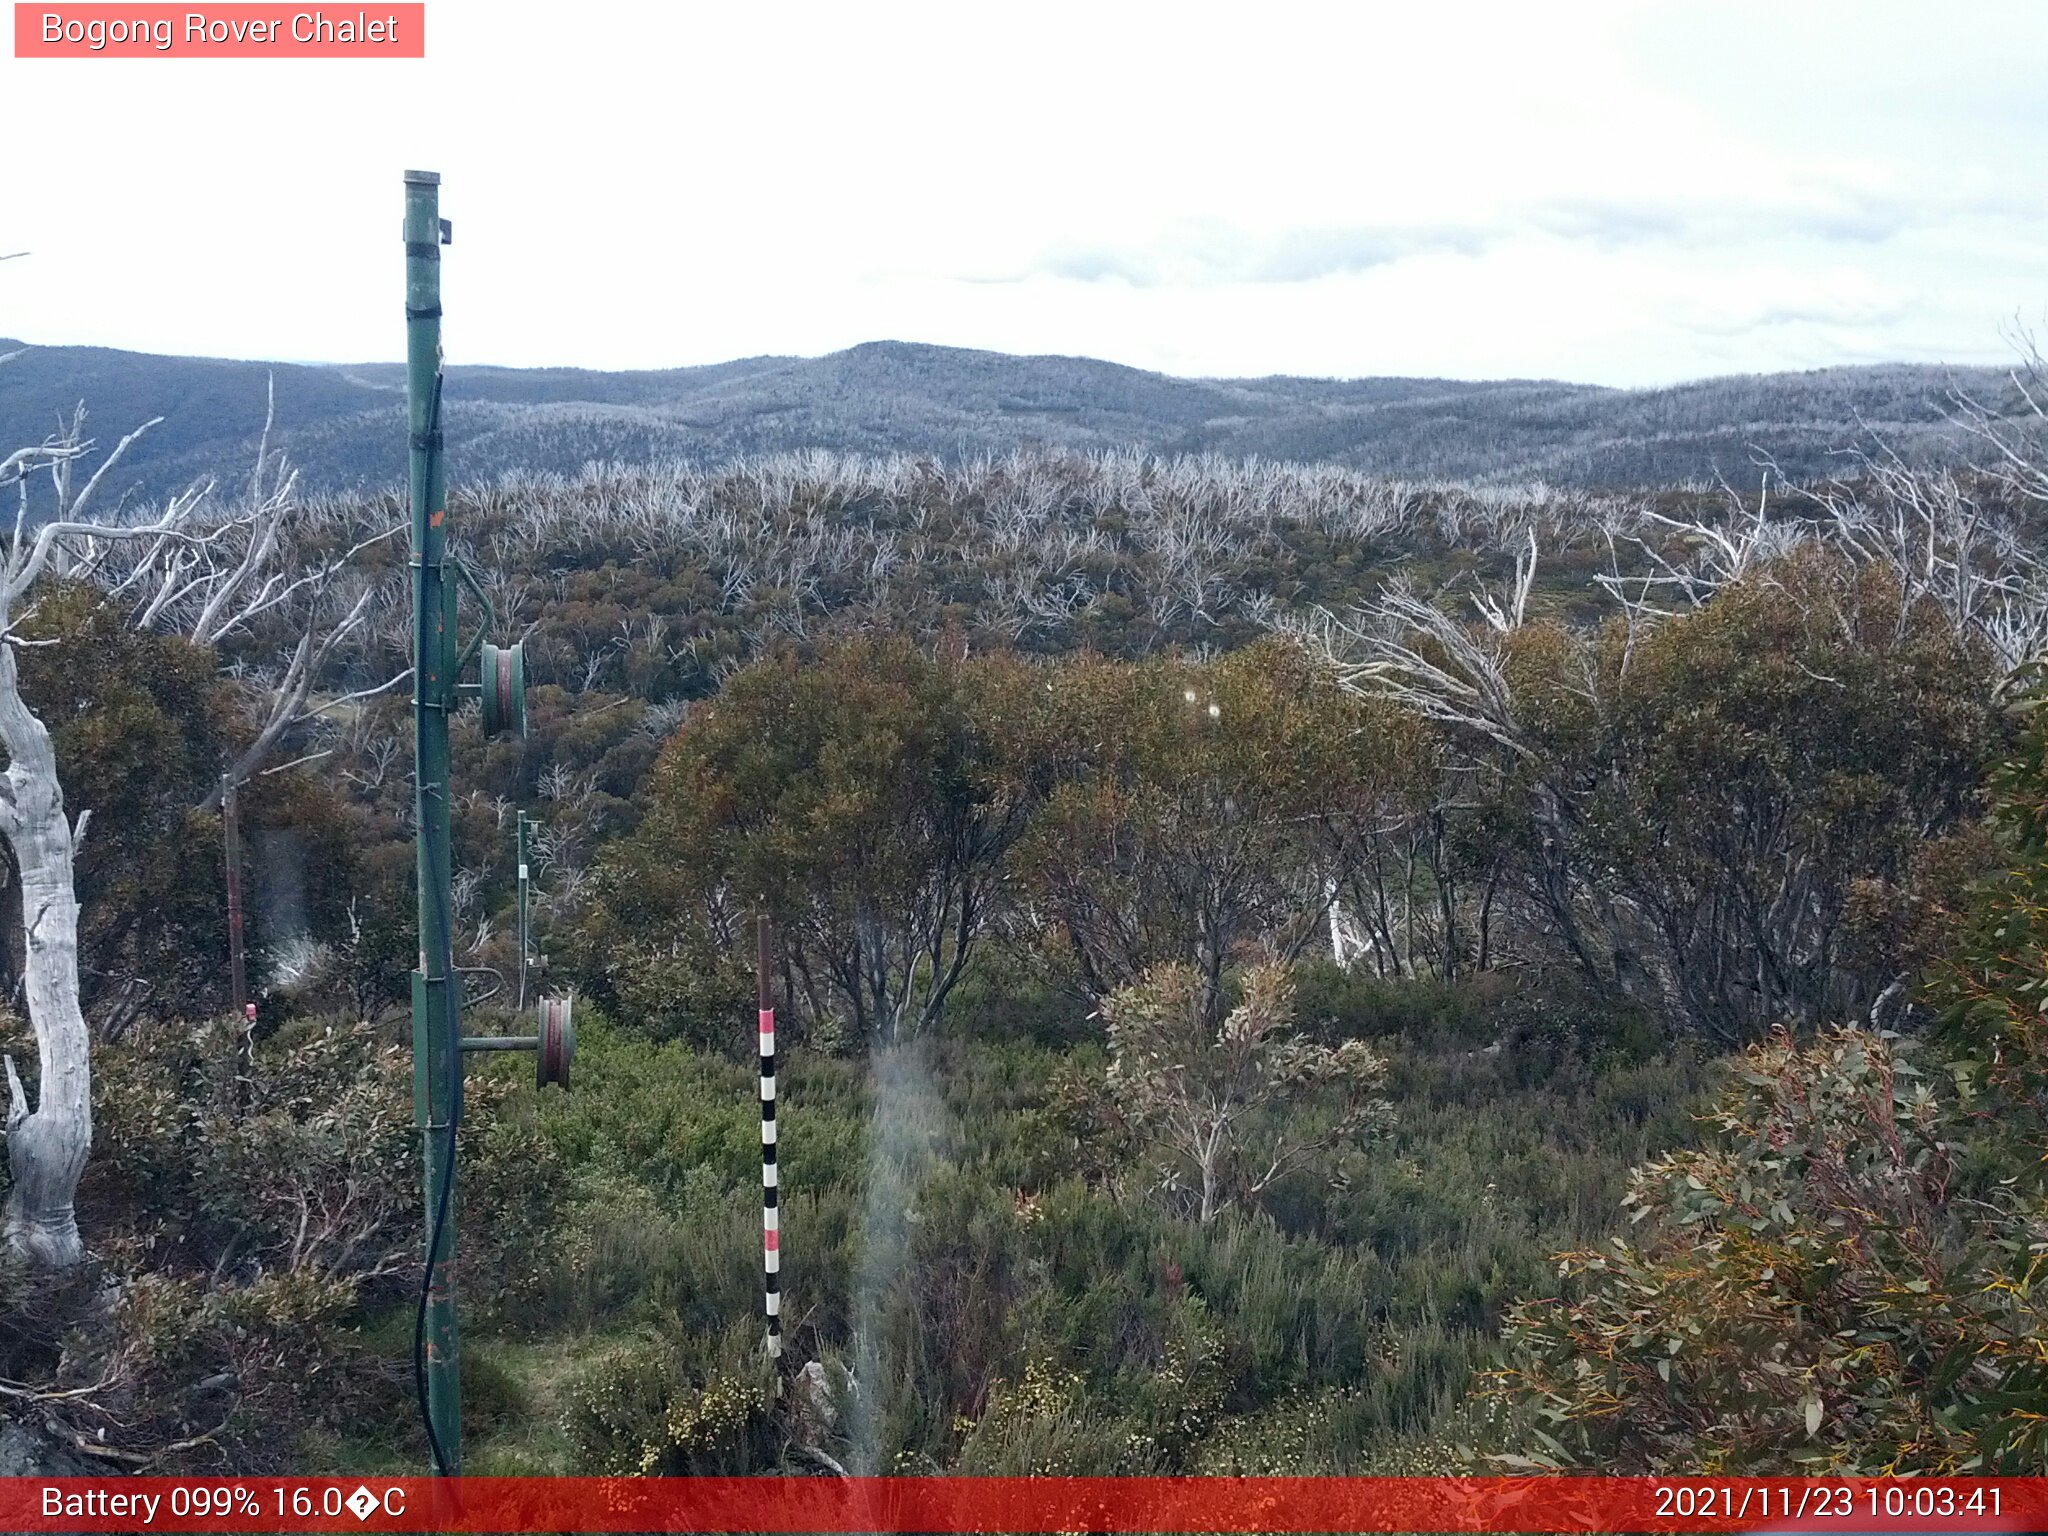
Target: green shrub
[1043,1424]
[666,1407]
[175,1371]
[1809,1292]
[254,1213]
[1339,1003]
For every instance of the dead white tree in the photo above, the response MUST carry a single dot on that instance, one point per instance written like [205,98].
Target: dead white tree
[1404,647]
[2015,435]
[47,1144]
[219,574]
[245,566]
[1947,535]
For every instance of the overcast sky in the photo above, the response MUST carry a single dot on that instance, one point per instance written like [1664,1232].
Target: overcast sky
[1614,193]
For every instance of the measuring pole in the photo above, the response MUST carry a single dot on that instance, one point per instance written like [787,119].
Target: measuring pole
[436,1000]
[771,1211]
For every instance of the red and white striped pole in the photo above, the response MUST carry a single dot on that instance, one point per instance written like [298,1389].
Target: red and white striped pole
[771,1214]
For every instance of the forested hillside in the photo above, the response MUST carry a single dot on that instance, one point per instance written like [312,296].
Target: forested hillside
[1236,925]
[890,397]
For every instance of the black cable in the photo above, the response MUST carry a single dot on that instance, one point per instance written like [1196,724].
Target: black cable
[419,1325]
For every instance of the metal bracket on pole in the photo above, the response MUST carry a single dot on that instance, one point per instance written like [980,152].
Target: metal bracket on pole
[525,908]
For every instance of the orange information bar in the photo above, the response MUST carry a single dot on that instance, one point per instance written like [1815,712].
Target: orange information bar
[1007,1504]
[227,31]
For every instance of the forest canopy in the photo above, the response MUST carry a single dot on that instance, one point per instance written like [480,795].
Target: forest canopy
[1236,926]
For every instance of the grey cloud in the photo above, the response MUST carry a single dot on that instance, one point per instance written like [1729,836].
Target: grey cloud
[1855,313]
[1211,253]
[1094,264]
[1222,254]
[1831,215]
[1304,255]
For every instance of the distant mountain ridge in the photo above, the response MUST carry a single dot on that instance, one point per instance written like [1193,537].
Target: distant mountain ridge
[343,427]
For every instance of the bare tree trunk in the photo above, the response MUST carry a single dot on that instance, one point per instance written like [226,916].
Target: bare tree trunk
[46,1147]
[1208,1154]
[178,568]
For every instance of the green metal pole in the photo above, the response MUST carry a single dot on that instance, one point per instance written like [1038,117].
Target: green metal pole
[436,1001]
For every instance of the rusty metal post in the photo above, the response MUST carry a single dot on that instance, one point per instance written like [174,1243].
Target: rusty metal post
[231,836]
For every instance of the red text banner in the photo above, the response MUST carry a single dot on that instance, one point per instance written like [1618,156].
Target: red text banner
[226,31]
[948,1505]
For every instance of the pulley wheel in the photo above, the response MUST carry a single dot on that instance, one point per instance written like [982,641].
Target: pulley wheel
[504,689]
[557,1043]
